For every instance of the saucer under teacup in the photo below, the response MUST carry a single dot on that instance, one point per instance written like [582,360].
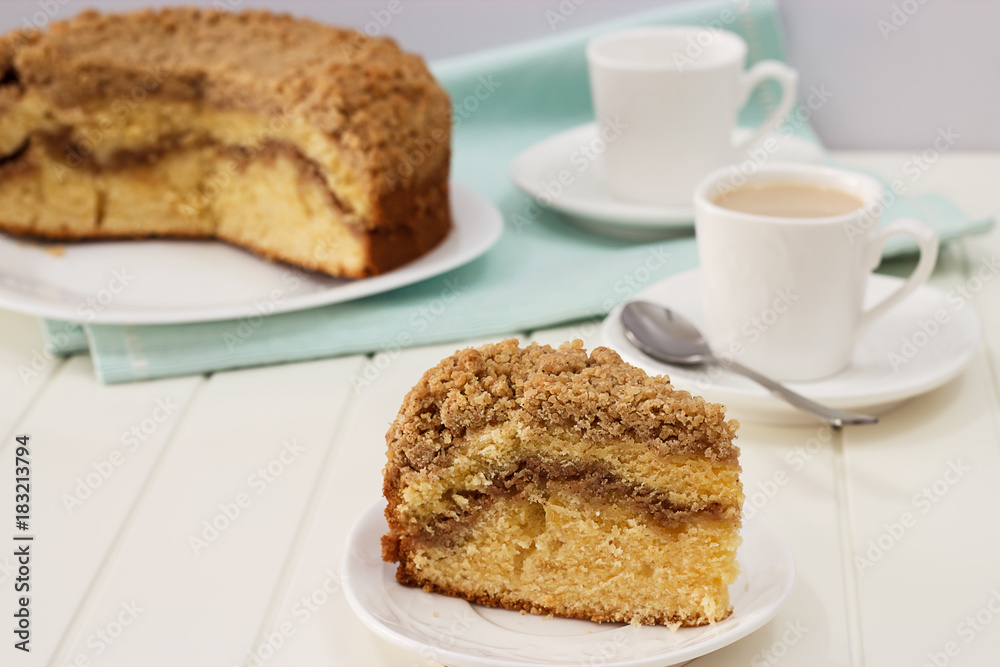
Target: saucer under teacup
[583,195]
[912,350]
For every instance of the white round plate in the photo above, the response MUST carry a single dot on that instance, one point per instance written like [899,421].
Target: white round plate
[583,194]
[894,360]
[462,634]
[168,281]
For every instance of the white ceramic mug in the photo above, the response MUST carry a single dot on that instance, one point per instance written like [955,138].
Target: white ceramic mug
[784,295]
[676,92]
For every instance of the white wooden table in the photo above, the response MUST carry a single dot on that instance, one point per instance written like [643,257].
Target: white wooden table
[128,570]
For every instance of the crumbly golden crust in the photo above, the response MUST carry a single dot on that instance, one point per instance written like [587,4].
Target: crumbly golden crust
[407,578]
[599,395]
[409,222]
[377,101]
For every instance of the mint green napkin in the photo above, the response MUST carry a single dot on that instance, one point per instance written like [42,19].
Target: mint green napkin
[543,271]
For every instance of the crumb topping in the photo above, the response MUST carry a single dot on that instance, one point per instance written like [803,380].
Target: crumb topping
[599,395]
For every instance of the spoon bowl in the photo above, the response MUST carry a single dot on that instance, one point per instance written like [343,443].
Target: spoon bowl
[665,335]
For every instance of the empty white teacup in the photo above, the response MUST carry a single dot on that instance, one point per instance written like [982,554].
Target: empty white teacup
[676,92]
[785,256]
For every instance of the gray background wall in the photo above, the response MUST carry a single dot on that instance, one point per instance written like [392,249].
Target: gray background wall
[892,89]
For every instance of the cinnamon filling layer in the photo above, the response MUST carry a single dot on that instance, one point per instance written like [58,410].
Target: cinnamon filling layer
[596,482]
[112,134]
[15,155]
[239,157]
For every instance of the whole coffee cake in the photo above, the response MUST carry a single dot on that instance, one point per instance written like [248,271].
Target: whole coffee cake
[305,143]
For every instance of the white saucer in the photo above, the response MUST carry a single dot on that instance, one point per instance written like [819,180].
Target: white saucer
[870,384]
[586,199]
[163,281]
[462,634]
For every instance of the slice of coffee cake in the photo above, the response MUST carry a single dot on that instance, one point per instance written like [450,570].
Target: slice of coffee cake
[551,481]
[301,142]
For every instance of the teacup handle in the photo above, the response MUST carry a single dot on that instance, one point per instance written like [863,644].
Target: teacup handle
[763,71]
[927,241]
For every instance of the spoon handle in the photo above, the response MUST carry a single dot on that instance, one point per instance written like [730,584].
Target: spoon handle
[834,417]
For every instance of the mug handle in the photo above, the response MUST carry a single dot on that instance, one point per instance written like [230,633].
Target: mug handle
[763,71]
[927,241]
